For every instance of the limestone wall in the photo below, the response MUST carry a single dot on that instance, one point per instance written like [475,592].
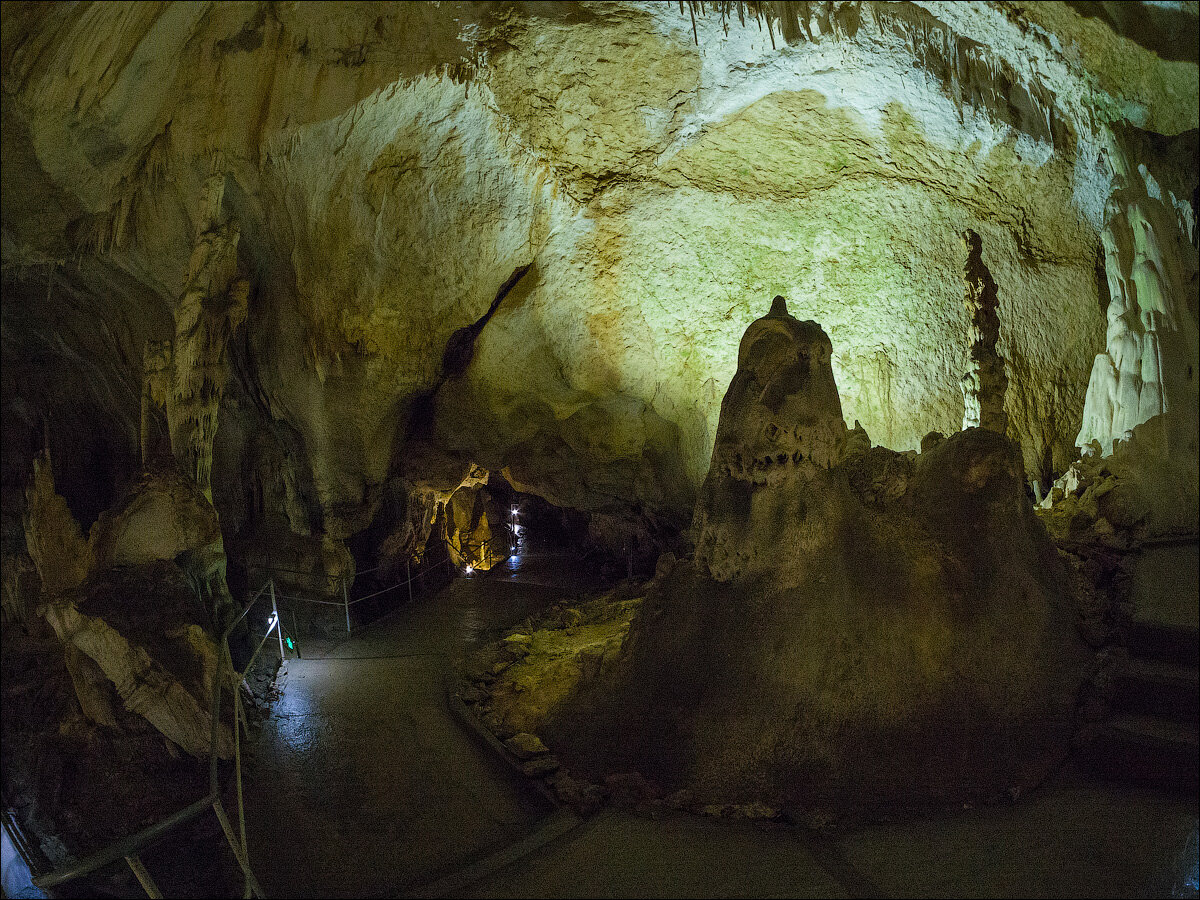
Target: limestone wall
[389,166]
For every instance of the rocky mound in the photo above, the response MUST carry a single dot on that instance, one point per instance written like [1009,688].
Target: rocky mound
[859,627]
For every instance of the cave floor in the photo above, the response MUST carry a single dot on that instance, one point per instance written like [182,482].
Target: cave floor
[1072,839]
[364,782]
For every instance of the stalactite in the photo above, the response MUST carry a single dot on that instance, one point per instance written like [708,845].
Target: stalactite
[969,73]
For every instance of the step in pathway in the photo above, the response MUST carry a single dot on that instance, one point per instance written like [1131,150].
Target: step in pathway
[1153,736]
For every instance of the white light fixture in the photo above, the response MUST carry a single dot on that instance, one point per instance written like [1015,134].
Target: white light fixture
[468,570]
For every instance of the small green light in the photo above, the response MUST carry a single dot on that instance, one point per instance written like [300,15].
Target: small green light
[291,646]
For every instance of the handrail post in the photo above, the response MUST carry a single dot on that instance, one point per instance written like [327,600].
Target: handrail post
[408,577]
[346,602]
[143,877]
[239,717]
[278,624]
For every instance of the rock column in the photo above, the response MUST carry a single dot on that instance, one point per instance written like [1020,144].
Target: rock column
[188,378]
[985,383]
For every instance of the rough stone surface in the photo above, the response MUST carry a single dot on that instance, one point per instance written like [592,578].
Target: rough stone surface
[126,603]
[781,425]
[143,686]
[525,745]
[387,168]
[540,668]
[160,517]
[55,541]
[903,634]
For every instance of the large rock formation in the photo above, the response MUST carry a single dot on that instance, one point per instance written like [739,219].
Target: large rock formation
[875,628]
[131,603]
[781,425]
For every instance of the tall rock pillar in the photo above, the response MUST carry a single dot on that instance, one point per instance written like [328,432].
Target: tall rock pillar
[985,383]
[188,377]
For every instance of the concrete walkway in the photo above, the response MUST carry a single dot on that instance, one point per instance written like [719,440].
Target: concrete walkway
[362,781]
[365,783]
[1073,839]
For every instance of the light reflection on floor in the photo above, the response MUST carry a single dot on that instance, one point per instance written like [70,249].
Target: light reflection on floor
[362,779]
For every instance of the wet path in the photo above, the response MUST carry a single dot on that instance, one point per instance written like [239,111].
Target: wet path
[363,781]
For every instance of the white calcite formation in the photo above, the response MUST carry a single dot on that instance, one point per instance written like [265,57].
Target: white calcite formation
[1147,372]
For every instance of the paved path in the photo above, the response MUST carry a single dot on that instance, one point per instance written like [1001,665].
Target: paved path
[1072,839]
[362,781]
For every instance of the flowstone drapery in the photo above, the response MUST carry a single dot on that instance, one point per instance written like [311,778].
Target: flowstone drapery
[1148,367]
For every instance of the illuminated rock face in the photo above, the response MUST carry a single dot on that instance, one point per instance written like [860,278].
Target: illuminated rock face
[869,630]
[388,168]
[1148,368]
[211,308]
[475,535]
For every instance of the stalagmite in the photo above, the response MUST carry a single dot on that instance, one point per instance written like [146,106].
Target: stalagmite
[781,424]
[986,383]
[841,613]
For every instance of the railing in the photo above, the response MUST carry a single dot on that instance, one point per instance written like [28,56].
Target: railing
[130,847]
[344,582]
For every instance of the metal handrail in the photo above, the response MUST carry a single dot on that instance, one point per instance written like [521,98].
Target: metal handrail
[265,568]
[129,846]
[344,583]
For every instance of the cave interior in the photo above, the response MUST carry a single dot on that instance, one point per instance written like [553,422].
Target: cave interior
[600,448]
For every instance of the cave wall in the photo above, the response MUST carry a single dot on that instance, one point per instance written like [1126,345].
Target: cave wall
[390,165]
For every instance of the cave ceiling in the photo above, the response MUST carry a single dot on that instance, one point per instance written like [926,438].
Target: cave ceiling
[663,171]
